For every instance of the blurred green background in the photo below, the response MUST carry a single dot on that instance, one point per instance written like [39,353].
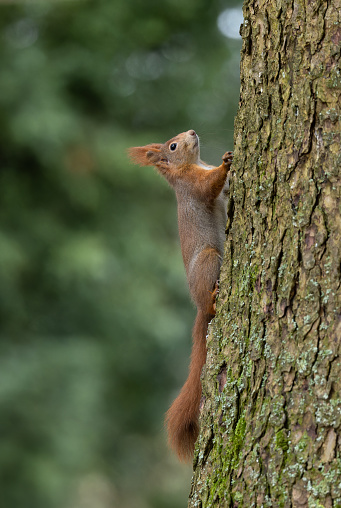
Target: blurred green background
[95,313]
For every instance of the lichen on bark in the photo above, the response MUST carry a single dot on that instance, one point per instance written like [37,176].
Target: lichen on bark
[271,418]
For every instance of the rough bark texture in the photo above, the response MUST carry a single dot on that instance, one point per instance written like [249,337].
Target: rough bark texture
[271,417]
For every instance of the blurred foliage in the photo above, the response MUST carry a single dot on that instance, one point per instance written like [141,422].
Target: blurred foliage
[95,313]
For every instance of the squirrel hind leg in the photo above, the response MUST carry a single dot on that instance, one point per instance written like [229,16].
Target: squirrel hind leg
[204,289]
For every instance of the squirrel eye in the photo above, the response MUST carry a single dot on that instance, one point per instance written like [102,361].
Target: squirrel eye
[173,146]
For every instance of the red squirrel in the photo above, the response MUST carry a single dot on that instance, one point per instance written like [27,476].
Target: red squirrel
[201,192]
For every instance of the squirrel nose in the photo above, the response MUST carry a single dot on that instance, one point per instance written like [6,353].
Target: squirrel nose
[192,132]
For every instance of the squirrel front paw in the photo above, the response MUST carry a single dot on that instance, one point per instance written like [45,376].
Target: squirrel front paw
[228,158]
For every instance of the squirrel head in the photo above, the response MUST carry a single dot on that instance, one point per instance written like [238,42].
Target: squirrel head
[179,151]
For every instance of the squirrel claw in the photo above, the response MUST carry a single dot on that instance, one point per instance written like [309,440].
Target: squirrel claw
[228,158]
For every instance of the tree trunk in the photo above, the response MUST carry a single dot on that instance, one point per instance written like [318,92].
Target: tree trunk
[271,416]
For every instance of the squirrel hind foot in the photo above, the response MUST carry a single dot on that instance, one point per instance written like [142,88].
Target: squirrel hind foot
[215,293]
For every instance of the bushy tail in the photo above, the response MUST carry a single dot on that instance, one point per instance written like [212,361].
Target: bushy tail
[182,416]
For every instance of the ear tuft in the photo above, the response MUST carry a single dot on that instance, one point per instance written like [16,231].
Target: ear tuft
[145,155]
[138,155]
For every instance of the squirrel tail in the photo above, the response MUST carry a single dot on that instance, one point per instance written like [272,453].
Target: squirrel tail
[183,415]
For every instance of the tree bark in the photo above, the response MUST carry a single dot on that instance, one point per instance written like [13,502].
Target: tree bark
[271,415]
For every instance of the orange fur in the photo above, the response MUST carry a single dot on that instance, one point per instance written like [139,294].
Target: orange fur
[182,417]
[138,154]
[201,197]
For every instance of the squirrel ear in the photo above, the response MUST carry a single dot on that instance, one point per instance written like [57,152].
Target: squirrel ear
[148,155]
[156,158]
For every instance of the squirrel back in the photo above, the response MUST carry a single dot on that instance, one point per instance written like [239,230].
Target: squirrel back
[201,192]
